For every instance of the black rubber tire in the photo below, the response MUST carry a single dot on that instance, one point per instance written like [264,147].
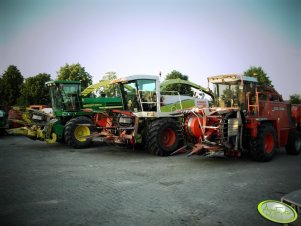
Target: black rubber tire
[156,141]
[259,151]
[69,133]
[293,146]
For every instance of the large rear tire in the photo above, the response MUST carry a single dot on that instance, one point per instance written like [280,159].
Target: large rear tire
[164,136]
[293,146]
[75,128]
[264,149]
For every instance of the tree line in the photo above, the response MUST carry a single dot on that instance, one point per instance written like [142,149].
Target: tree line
[17,90]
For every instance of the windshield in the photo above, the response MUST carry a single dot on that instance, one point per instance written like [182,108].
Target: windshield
[228,95]
[233,94]
[65,97]
[140,95]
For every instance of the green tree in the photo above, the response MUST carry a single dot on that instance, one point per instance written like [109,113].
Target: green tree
[295,99]
[75,72]
[259,73]
[109,90]
[34,91]
[10,83]
[110,75]
[181,88]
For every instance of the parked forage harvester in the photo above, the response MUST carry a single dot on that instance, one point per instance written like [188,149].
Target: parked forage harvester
[245,118]
[147,115]
[136,111]
[73,113]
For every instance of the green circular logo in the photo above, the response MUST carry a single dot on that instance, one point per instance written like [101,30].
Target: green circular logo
[276,211]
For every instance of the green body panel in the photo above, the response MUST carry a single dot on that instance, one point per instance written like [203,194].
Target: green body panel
[186,104]
[102,103]
[71,114]
[165,83]
[58,129]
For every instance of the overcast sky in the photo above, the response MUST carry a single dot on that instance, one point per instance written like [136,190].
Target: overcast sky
[199,38]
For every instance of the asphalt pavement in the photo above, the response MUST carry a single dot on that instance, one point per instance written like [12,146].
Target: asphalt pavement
[43,184]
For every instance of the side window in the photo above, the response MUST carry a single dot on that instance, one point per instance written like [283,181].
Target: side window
[70,97]
[131,100]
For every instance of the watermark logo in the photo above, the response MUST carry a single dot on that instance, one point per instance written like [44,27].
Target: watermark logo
[277,211]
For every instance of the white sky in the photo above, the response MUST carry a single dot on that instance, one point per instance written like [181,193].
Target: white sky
[199,38]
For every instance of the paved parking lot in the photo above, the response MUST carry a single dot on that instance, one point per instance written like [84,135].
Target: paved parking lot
[107,185]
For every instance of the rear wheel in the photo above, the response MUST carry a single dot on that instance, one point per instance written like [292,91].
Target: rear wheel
[75,130]
[164,136]
[264,149]
[293,146]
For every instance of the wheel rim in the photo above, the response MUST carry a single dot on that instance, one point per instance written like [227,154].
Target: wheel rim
[268,143]
[81,131]
[168,137]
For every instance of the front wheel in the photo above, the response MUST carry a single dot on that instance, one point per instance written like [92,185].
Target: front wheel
[264,149]
[293,146]
[75,131]
[164,136]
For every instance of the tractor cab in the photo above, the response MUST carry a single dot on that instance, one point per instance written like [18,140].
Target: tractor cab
[146,95]
[230,90]
[139,93]
[65,96]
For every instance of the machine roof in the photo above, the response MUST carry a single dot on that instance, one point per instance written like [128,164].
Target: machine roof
[134,77]
[230,78]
